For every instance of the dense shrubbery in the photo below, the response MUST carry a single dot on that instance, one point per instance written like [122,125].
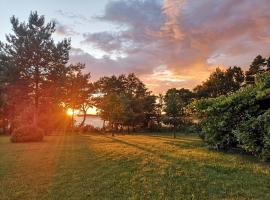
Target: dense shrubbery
[27,134]
[220,116]
[254,135]
[237,119]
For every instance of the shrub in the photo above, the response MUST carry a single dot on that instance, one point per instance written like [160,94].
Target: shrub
[27,134]
[254,135]
[220,116]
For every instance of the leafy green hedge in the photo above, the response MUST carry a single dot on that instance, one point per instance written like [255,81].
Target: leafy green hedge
[237,119]
[254,134]
[27,134]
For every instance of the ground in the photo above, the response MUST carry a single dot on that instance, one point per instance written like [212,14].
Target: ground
[127,167]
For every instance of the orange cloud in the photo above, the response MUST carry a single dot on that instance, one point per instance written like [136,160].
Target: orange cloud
[189,38]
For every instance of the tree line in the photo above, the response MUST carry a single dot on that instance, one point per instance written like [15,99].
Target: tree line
[38,85]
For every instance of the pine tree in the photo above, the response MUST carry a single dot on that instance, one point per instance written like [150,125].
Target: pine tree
[35,56]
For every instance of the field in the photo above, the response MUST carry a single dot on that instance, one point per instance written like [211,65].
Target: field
[127,167]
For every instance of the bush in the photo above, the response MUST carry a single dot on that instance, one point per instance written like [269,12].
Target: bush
[27,134]
[238,119]
[254,135]
[220,116]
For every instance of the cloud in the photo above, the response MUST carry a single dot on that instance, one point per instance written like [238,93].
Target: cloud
[105,41]
[64,30]
[184,38]
[73,16]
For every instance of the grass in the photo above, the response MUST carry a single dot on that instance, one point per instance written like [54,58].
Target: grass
[127,167]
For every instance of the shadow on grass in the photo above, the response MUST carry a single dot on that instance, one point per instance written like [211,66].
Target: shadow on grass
[186,144]
[102,170]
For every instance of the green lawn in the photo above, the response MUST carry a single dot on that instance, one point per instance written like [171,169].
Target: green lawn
[127,167]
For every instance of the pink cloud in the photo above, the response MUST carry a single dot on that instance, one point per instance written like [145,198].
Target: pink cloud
[190,38]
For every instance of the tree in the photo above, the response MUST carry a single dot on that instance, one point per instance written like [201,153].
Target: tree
[113,109]
[150,110]
[268,64]
[185,95]
[159,109]
[79,90]
[221,83]
[257,65]
[12,87]
[135,105]
[33,54]
[173,108]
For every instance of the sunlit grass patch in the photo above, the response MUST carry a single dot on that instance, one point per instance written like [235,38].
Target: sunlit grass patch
[127,167]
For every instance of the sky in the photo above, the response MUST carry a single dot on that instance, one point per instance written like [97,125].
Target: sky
[166,43]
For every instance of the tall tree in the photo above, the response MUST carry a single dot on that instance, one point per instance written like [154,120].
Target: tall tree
[35,55]
[130,95]
[173,108]
[257,65]
[159,109]
[12,87]
[79,90]
[150,110]
[221,83]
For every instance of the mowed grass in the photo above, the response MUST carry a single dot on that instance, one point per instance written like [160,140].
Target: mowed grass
[127,167]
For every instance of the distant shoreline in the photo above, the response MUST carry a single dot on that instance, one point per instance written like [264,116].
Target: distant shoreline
[87,115]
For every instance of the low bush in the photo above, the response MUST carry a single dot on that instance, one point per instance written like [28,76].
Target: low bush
[27,134]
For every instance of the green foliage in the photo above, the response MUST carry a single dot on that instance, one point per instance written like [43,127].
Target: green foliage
[32,68]
[257,66]
[125,101]
[27,134]
[238,119]
[78,90]
[173,108]
[263,84]
[175,102]
[221,83]
[254,135]
[220,116]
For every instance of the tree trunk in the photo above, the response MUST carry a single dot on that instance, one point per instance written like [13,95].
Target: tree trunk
[112,130]
[133,127]
[174,134]
[36,98]
[103,125]
[84,118]
[72,121]
[5,126]
[122,129]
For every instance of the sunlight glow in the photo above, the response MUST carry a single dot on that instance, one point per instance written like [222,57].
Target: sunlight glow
[70,112]
[90,111]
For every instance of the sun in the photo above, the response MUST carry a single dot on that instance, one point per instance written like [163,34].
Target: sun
[70,112]
[90,111]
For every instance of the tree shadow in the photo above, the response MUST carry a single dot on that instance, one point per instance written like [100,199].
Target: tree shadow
[174,160]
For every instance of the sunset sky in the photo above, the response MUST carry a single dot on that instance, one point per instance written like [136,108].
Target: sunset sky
[170,43]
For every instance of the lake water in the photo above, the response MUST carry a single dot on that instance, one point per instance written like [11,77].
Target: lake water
[95,121]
